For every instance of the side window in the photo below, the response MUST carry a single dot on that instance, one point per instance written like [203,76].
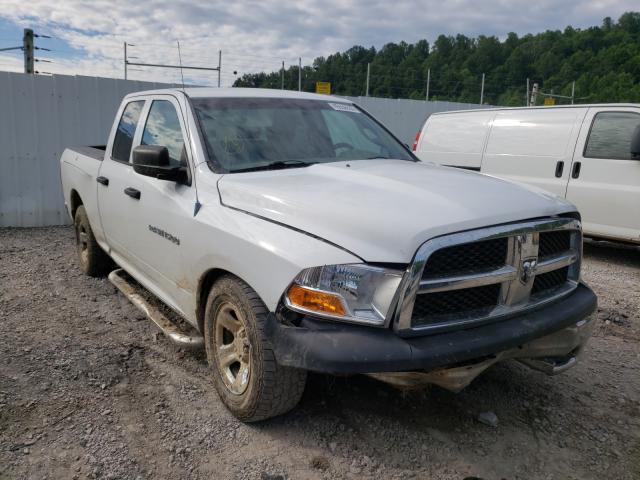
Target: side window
[163,128]
[126,130]
[610,135]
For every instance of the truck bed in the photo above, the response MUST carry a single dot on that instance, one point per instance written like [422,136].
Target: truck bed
[95,152]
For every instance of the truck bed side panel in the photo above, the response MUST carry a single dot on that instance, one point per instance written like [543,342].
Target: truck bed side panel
[79,168]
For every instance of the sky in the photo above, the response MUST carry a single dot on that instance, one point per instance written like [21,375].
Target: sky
[88,36]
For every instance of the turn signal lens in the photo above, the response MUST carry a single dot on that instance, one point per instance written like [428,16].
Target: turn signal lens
[356,293]
[313,300]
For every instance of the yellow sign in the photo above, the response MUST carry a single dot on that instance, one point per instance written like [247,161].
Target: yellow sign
[323,88]
[549,101]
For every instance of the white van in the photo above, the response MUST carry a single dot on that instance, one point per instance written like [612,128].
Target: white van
[589,154]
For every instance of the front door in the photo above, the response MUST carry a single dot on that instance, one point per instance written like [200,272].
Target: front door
[162,216]
[605,179]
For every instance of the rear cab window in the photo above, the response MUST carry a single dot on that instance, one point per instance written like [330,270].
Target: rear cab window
[126,130]
[610,135]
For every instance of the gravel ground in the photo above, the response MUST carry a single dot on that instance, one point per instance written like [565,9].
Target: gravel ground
[88,389]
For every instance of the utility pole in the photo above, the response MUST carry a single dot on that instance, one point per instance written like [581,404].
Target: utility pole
[299,74]
[282,77]
[219,66]
[534,94]
[482,90]
[573,91]
[27,49]
[526,95]
[428,82]
[368,74]
[125,60]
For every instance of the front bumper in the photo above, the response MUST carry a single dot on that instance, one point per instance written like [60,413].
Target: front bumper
[329,347]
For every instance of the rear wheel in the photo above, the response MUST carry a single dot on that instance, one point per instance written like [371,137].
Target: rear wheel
[93,260]
[246,375]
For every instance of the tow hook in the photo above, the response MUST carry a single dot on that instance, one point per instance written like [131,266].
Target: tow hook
[550,365]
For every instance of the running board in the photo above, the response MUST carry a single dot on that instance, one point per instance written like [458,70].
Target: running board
[171,330]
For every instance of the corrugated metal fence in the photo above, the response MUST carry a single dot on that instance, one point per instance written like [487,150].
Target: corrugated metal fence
[405,117]
[41,115]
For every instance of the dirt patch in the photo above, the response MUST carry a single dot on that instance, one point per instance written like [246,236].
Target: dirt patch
[89,390]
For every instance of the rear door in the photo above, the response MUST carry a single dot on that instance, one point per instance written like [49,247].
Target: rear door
[605,180]
[533,146]
[114,176]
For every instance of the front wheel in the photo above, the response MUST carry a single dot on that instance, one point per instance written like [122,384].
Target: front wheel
[246,375]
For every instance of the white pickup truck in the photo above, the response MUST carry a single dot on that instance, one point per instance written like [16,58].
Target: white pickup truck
[294,233]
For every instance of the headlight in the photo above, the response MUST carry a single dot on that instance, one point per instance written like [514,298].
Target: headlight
[354,293]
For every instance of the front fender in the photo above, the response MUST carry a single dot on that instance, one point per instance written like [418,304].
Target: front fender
[265,255]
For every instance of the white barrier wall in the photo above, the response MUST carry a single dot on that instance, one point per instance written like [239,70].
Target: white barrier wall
[42,115]
[405,117]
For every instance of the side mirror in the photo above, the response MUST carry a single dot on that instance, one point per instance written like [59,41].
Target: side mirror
[635,144]
[153,161]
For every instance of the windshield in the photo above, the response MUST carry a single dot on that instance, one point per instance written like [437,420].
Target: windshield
[244,134]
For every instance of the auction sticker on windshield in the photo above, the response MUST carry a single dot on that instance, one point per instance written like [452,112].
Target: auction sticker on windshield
[344,107]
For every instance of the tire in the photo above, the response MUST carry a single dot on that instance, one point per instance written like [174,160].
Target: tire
[246,375]
[93,260]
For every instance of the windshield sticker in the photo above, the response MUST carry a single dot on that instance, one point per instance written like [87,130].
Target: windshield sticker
[344,107]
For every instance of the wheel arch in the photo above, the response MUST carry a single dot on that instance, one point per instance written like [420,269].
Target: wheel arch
[205,282]
[75,201]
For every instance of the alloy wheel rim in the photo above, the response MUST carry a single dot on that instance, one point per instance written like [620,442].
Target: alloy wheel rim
[83,243]
[232,348]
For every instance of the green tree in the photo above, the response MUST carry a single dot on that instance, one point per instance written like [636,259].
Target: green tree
[604,62]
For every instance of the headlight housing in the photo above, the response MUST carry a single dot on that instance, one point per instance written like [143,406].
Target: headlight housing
[357,293]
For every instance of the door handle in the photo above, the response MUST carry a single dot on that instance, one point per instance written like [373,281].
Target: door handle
[132,192]
[103,181]
[559,168]
[575,173]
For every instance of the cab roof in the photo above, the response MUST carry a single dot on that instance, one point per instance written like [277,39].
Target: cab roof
[210,92]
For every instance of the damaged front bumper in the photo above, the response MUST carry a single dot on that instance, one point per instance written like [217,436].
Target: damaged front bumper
[552,355]
[547,339]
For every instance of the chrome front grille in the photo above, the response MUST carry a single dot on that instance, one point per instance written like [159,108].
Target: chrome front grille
[442,306]
[553,243]
[547,282]
[483,275]
[460,259]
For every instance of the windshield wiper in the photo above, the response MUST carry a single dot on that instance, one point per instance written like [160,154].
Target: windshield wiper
[377,156]
[279,165]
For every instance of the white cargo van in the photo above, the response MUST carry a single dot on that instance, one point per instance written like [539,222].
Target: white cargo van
[589,154]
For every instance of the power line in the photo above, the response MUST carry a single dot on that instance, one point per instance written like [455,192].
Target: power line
[160,65]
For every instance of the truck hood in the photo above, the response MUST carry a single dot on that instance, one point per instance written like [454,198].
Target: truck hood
[383,210]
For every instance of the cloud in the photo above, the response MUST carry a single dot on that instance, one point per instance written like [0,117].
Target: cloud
[259,35]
